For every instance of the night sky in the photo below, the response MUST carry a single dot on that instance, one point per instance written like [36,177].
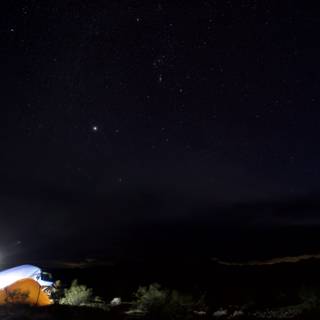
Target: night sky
[118,116]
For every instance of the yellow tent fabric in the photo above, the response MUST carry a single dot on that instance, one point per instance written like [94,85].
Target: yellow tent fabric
[25,291]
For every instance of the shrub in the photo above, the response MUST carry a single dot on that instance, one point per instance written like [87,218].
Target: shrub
[151,299]
[17,296]
[158,303]
[310,297]
[81,295]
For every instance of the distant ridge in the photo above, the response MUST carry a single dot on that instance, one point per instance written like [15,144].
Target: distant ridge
[273,261]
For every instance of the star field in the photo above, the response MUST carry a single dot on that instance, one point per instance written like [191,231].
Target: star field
[198,96]
[172,127]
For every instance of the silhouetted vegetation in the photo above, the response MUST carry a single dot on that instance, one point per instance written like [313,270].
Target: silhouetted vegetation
[158,303]
[81,295]
[155,302]
[17,296]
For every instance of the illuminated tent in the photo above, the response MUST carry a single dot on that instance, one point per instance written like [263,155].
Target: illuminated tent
[24,284]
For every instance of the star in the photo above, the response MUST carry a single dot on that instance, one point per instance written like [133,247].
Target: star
[95,128]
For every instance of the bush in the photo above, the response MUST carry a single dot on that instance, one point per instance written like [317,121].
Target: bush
[17,296]
[158,303]
[310,297]
[151,299]
[81,295]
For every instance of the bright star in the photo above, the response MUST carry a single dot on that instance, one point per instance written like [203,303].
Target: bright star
[95,128]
